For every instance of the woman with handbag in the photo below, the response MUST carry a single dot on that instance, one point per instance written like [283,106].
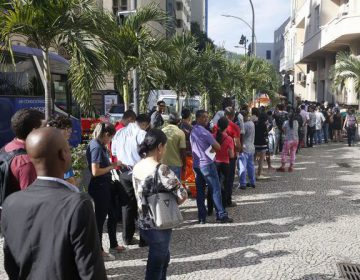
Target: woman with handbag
[158,192]
[100,167]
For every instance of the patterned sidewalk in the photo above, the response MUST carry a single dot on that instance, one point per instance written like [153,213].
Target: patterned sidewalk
[293,226]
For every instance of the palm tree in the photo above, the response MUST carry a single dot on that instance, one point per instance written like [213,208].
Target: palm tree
[256,74]
[347,67]
[182,67]
[78,25]
[135,47]
[213,69]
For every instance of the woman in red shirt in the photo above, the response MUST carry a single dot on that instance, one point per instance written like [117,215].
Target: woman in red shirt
[223,156]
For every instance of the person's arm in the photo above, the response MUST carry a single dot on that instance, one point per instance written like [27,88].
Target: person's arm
[237,144]
[171,183]
[345,123]
[85,242]
[182,145]
[231,149]
[10,265]
[211,141]
[96,170]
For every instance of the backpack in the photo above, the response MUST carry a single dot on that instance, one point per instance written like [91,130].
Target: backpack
[351,121]
[5,172]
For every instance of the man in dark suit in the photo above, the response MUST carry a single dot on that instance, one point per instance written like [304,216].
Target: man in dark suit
[49,228]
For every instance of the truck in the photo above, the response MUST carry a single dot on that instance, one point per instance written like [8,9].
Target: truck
[169,97]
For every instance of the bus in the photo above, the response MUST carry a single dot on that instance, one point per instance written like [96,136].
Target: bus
[21,87]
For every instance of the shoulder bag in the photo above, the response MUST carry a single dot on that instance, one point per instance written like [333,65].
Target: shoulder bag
[163,206]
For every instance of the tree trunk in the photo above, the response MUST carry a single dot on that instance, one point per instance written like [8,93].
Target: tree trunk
[178,101]
[126,94]
[47,82]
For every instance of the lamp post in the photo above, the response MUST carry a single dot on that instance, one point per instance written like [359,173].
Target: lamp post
[253,47]
[254,40]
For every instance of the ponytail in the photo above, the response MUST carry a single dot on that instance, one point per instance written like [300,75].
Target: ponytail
[291,120]
[223,123]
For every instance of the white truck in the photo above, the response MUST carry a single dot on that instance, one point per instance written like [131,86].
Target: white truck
[169,97]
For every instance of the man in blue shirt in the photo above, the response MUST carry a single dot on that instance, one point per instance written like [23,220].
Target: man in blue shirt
[203,144]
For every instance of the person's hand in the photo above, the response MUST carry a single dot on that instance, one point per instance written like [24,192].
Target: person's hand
[183,170]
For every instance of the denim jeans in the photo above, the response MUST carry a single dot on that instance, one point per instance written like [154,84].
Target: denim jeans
[177,171]
[207,175]
[272,143]
[326,132]
[159,254]
[246,165]
[318,136]
[351,131]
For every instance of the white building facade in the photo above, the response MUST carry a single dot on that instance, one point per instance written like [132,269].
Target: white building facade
[317,31]
[179,10]
[199,13]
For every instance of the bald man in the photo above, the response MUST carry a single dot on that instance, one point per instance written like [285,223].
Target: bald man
[49,228]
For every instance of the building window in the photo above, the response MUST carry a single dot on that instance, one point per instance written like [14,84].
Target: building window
[317,17]
[179,6]
[179,23]
[268,54]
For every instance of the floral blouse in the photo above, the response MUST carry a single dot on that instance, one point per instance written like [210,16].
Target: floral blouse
[167,182]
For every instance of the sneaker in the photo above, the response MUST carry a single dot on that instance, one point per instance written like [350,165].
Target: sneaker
[117,250]
[242,187]
[107,257]
[281,169]
[262,177]
[202,222]
[224,220]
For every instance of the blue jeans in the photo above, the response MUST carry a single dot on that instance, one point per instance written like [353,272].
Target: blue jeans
[177,171]
[272,143]
[159,254]
[246,165]
[207,175]
[326,132]
[318,136]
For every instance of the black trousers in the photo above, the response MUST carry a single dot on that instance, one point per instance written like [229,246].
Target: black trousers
[310,136]
[104,200]
[129,207]
[230,181]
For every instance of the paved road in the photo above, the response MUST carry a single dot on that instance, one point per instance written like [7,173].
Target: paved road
[294,226]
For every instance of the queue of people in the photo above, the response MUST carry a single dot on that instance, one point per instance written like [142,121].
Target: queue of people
[59,229]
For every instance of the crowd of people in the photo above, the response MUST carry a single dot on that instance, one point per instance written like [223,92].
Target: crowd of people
[50,227]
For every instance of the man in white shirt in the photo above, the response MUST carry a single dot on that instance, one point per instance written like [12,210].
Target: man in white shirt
[125,148]
[305,117]
[320,119]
